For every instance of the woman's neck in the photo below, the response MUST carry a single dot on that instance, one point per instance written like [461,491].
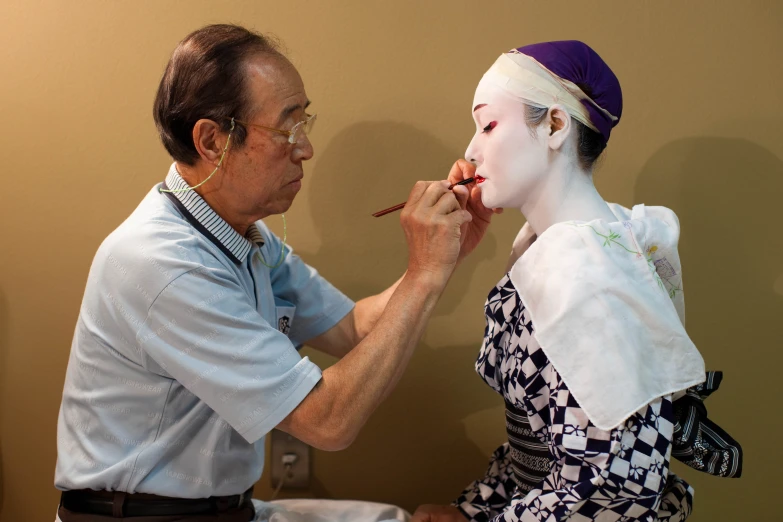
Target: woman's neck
[566,194]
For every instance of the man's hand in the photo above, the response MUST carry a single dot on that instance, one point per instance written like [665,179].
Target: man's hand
[433,513]
[471,232]
[432,220]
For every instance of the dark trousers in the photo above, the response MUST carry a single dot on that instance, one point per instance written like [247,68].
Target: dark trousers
[242,513]
[237,515]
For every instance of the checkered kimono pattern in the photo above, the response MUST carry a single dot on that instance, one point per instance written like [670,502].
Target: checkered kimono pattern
[594,475]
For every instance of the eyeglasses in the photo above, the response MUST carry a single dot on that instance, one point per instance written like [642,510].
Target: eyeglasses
[296,133]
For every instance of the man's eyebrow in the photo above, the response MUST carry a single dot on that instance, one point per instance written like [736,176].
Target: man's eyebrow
[288,111]
[480,105]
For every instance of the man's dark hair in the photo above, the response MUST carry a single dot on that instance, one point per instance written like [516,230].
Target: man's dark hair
[206,78]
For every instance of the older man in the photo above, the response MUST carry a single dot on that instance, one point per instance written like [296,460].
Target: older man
[184,355]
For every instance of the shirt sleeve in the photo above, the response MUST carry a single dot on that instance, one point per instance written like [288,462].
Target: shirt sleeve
[487,497]
[319,305]
[203,330]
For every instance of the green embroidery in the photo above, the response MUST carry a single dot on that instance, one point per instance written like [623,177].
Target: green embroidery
[613,237]
[674,288]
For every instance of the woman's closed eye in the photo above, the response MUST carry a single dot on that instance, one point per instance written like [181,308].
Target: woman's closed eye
[491,126]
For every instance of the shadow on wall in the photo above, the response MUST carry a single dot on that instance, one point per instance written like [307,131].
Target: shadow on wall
[727,193]
[4,348]
[415,448]
[365,168]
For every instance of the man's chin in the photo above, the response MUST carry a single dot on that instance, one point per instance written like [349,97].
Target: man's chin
[283,205]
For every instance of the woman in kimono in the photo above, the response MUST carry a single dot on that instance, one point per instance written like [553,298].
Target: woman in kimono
[584,338]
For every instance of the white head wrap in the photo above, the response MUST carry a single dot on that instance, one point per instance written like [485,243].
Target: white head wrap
[525,78]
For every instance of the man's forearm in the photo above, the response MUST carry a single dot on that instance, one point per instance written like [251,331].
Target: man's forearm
[374,367]
[349,332]
[332,414]
[352,388]
[369,310]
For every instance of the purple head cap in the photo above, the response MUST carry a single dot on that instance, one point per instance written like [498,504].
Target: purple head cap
[577,62]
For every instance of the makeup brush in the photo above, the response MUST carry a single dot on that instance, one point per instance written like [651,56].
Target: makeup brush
[402,205]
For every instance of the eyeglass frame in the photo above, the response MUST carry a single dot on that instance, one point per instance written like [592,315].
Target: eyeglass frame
[310,121]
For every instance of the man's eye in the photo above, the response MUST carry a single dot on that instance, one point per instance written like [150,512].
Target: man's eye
[490,126]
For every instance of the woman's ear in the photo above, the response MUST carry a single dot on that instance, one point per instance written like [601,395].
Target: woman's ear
[208,140]
[559,124]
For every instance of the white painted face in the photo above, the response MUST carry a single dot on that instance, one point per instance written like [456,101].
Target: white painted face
[508,157]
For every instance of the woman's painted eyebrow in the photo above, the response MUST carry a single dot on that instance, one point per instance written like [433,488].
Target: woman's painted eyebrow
[480,105]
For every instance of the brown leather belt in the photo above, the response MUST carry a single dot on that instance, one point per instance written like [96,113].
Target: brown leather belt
[121,504]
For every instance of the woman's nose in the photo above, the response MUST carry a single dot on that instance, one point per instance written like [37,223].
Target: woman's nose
[471,153]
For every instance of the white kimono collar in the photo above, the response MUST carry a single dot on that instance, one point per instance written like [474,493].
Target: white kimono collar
[608,310]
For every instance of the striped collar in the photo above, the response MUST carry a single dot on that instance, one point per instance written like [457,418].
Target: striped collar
[207,221]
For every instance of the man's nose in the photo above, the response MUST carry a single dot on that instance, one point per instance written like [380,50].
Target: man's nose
[303,149]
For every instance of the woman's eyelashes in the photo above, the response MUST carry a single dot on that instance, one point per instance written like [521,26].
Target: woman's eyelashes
[491,126]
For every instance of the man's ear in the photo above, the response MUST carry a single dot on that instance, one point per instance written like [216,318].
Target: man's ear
[560,125]
[208,140]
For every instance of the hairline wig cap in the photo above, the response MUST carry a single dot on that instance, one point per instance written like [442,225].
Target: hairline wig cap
[552,73]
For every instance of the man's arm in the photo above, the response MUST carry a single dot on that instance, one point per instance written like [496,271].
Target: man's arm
[354,327]
[335,410]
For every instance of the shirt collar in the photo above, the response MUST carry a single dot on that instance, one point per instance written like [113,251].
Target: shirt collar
[207,221]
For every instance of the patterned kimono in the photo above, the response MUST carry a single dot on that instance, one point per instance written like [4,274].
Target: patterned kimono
[557,465]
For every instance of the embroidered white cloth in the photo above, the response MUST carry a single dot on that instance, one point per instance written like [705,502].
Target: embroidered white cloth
[607,304]
[318,510]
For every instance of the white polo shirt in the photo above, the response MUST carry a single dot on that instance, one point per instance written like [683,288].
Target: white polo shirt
[178,366]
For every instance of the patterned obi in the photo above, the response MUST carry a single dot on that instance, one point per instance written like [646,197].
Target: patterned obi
[530,457]
[698,442]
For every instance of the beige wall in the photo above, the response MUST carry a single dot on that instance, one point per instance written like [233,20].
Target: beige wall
[392,83]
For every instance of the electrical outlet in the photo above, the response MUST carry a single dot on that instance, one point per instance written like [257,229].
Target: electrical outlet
[298,476]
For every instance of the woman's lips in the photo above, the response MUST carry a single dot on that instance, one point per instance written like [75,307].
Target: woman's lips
[479,179]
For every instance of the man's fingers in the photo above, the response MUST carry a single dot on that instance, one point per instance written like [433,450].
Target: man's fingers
[447,204]
[475,199]
[463,194]
[475,195]
[434,192]
[459,216]
[463,216]
[417,192]
[461,170]
[449,207]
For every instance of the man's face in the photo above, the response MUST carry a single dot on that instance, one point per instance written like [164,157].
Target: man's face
[265,174]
